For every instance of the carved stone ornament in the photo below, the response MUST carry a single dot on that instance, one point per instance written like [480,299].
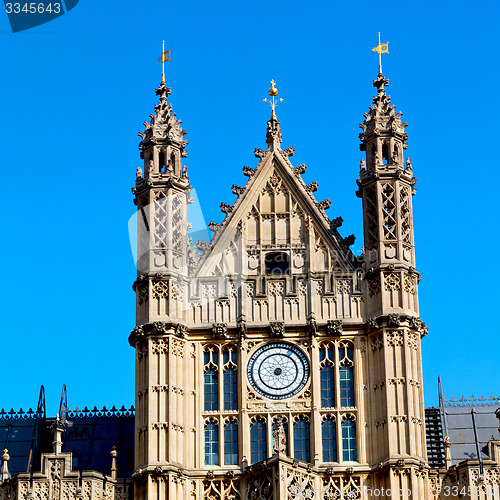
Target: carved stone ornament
[203,246]
[248,171]
[181,330]
[213,226]
[237,190]
[160,327]
[279,436]
[394,319]
[312,188]
[325,204]
[372,323]
[136,334]
[415,323]
[336,223]
[242,329]
[277,329]
[259,153]
[349,240]
[225,208]
[219,331]
[301,169]
[312,327]
[334,327]
[288,152]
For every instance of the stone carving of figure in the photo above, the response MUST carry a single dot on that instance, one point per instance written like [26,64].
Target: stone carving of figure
[184,171]
[408,164]
[151,166]
[279,437]
[362,164]
[138,172]
[376,158]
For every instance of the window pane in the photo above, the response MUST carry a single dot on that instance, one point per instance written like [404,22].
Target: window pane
[211,444]
[346,386]
[327,380]
[231,444]
[211,390]
[349,453]
[258,442]
[301,440]
[230,389]
[329,435]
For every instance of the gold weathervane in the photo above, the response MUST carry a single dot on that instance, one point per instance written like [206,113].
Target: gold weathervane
[165,56]
[273,92]
[381,48]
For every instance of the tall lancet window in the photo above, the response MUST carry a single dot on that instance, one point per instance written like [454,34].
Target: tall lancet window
[258,440]
[327,374]
[346,374]
[230,377]
[211,378]
[301,439]
[349,449]
[231,442]
[329,438]
[212,442]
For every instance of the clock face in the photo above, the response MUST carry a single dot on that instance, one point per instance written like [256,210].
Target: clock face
[278,370]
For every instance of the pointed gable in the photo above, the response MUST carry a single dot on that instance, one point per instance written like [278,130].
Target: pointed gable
[275,213]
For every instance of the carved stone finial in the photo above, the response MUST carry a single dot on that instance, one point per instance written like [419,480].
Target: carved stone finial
[213,226]
[237,190]
[273,134]
[312,188]
[301,169]
[248,171]
[336,223]
[227,209]
[5,467]
[114,462]
[325,204]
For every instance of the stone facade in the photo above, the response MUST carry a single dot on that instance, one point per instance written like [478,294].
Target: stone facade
[278,273]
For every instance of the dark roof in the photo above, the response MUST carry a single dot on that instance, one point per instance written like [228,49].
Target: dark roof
[461,430]
[89,435]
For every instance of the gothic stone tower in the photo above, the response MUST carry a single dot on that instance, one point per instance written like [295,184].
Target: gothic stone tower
[272,363]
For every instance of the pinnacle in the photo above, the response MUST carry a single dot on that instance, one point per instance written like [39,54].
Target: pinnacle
[273,135]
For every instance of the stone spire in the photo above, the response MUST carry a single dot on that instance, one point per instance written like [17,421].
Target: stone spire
[383,137]
[163,145]
[273,135]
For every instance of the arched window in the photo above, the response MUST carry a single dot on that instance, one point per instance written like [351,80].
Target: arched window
[229,359]
[258,441]
[327,375]
[277,263]
[212,443]
[211,378]
[346,374]
[231,443]
[301,439]
[349,451]
[329,439]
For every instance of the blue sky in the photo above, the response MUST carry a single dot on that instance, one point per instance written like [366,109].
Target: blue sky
[76,91]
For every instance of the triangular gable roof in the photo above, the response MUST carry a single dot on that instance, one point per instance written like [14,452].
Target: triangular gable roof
[274,160]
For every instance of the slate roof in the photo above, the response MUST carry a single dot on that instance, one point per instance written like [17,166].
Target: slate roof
[89,435]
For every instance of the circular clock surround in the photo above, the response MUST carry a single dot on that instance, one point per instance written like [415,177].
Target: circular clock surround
[278,370]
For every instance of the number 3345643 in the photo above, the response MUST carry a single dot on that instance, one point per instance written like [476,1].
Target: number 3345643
[33,8]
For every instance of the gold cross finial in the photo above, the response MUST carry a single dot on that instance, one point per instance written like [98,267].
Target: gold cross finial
[6,450]
[273,92]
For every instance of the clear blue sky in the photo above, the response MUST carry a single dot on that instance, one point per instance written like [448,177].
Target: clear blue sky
[76,91]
